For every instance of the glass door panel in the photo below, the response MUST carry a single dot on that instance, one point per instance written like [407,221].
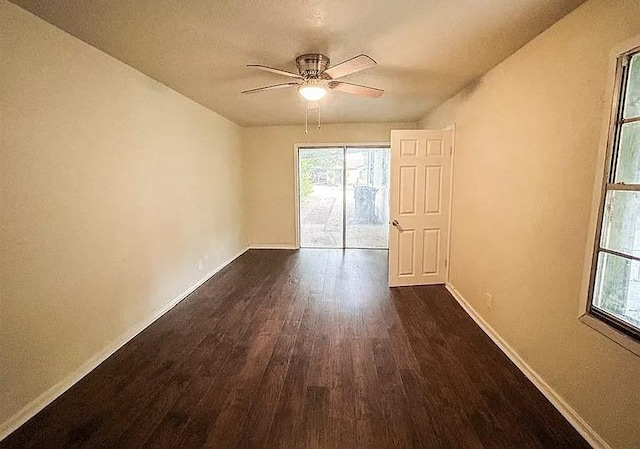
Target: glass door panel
[367,197]
[320,177]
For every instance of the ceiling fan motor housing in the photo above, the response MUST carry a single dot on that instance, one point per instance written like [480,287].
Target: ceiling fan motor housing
[312,65]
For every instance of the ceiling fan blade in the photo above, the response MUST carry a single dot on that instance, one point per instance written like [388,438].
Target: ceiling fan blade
[272,87]
[276,71]
[357,89]
[353,65]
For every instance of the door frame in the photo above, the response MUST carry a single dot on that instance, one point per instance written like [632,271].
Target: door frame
[451,127]
[296,175]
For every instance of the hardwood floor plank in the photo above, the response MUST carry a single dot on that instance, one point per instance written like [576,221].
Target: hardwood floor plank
[170,429]
[258,423]
[315,417]
[305,349]
[395,405]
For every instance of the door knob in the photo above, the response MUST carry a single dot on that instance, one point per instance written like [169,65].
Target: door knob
[395,223]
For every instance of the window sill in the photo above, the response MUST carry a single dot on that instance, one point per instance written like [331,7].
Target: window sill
[618,337]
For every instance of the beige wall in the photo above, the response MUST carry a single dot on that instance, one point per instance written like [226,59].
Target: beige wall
[270,172]
[112,188]
[527,141]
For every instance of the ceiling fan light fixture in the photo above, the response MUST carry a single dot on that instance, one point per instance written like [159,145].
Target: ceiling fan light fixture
[315,77]
[312,91]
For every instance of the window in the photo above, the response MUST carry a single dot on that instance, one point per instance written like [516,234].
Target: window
[615,277]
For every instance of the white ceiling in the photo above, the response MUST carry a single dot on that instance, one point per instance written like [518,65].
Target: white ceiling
[426,50]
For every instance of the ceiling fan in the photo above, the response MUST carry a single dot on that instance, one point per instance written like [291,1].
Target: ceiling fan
[315,77]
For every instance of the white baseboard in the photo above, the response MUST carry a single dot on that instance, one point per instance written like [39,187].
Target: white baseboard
[558,402]
[271,246]
[32,408]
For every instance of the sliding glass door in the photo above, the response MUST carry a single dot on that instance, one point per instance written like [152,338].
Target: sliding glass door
[321,194]
[343,197]
[367,198]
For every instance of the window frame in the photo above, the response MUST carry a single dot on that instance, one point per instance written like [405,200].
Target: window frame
[623,333]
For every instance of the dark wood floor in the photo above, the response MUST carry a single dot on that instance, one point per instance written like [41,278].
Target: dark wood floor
[305,349]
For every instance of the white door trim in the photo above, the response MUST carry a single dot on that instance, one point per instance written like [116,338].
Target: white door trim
[451,128]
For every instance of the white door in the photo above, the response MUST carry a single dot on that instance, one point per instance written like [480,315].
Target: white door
[419,215]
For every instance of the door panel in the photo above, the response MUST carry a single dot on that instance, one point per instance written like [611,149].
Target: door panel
[434,148]
[367,197]
[320,173]
[406,253]
[408,147]
[419,204]
[431,251]
[407,197]
[432,189]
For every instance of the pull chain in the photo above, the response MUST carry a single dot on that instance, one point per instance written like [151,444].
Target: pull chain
[306,117]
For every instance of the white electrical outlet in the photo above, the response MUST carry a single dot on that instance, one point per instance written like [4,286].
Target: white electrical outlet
[200,265]
[489,301]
